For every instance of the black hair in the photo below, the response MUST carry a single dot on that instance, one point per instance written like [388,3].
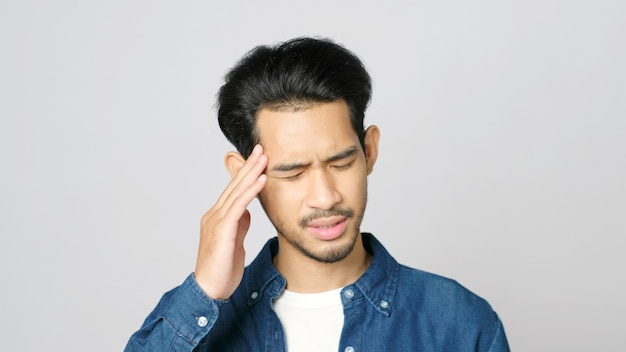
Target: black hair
[293,74]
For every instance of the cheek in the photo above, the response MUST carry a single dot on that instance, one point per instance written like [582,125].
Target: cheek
[352,184]
[281,196]
[355,190]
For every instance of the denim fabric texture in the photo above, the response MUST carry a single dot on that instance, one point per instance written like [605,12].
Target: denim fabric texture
[391,307]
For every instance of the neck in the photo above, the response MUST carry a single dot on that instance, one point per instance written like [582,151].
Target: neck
[307,275]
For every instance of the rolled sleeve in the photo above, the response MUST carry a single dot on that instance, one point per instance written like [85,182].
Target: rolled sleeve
[180,320]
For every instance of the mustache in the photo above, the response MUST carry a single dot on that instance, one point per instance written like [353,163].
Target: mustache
[319,214]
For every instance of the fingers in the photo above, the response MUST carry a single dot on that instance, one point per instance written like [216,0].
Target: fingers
[221,254]
[245,185]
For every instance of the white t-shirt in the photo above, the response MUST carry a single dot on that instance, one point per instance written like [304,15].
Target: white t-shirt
[311,321]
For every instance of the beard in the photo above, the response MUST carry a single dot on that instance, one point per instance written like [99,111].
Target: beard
[332,252]
[335,252]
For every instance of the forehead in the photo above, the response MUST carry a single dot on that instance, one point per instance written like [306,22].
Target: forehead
[317,129]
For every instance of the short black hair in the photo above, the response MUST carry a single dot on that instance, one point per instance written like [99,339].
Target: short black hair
[295,74]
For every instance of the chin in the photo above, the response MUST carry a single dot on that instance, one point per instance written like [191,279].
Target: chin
[332,252]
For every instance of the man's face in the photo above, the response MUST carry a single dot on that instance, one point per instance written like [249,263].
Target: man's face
[316,190]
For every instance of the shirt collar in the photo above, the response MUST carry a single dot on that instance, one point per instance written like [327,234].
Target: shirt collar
[377,284]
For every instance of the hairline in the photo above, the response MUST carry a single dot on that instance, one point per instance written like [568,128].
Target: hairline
[296,105]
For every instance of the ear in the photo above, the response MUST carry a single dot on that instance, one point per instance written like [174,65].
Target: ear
[372,136]
[233,162]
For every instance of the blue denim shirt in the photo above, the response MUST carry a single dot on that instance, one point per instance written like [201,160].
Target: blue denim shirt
[391,307]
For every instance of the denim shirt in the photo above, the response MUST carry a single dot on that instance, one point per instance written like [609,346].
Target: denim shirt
[391,307]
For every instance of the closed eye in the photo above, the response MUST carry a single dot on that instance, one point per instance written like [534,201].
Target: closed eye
[343,166]
[291,177]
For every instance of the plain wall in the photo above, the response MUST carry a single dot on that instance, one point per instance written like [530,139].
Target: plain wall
[502,157]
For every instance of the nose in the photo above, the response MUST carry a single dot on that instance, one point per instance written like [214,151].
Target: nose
[322,192]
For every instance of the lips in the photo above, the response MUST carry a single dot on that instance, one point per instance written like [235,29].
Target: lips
[328,228]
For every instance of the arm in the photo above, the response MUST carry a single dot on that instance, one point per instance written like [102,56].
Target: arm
[186,314]
[499,342]
[180,320]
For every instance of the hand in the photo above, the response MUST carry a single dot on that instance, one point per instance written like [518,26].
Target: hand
[221,255]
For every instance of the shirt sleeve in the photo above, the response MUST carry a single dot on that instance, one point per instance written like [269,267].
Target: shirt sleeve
[499,342]
[180,320]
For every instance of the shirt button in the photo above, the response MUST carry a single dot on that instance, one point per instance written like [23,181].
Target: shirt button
[254,295]
[384,304]
[202,321]
[349,349]
[348,293]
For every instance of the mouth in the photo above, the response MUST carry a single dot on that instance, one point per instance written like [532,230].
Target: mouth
[328,229]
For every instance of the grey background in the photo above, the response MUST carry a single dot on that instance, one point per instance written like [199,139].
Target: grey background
[502,160]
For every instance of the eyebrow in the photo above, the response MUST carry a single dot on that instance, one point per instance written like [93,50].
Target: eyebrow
[294,166]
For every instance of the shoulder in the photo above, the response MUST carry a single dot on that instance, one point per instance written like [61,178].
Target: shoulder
[423,291]
[443,305]
[441,301]
[427,288]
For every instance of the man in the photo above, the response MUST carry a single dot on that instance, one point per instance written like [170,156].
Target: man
[295,114]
